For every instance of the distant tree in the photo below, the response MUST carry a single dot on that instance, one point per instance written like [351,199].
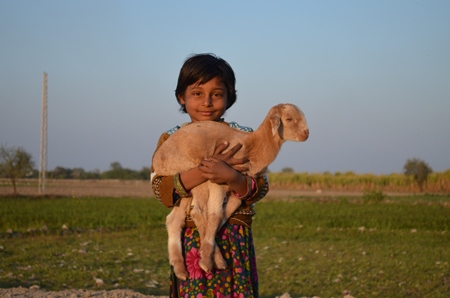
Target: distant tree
[93,174]
[287,170]
[78,173]
[75,173]
[115,166]
[34,175]
[60,173]
[15,163]
[118,172]
[145,173]
[418,169]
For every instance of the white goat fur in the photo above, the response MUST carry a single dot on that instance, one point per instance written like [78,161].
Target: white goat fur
[188,146]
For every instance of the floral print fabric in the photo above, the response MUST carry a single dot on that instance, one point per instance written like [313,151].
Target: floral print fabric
[239,279]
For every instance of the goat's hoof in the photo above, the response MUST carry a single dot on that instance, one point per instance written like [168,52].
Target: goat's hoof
[205,265]
[181,274]
[221,266]
[219,262]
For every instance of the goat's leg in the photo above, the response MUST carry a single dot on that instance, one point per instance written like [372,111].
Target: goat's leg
[199,213]
[201,196]
[175,222]
[219,261]
[199,216]
[215,215]
[231,206]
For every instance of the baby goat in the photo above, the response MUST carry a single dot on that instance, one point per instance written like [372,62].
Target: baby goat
[188,146]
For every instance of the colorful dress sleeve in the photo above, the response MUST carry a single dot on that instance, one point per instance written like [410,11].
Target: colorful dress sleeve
[163,186]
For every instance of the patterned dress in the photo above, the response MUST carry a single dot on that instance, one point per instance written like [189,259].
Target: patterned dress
[239,279]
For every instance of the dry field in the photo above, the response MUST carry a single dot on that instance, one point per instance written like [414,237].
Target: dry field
[142,189]
[80,188]
[37,293]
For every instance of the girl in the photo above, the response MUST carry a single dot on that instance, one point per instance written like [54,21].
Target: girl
[205,90]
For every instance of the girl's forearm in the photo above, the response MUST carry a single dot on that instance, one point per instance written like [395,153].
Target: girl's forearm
[239,184]
[191,178]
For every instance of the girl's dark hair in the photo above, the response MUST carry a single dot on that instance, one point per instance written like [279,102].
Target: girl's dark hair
[202,68]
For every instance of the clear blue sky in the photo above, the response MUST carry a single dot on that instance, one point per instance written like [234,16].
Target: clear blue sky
[372,77]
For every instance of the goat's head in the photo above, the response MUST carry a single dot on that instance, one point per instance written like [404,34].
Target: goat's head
[289,122]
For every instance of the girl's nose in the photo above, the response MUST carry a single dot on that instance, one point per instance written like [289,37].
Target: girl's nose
[207,101]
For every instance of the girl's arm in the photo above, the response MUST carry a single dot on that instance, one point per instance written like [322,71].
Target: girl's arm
[164,189]
[223,168]
[260,190]
[170,189]
[248,189]
[197,175]
[163,186]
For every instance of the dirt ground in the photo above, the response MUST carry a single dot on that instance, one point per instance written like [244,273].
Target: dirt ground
[37,293]
[133,188]
[80,188]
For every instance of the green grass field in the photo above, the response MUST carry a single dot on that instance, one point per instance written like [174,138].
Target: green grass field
[397,247]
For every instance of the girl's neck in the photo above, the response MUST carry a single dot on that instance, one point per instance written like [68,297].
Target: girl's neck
[220,120]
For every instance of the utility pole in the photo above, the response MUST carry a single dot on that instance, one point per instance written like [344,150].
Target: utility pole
[43,159]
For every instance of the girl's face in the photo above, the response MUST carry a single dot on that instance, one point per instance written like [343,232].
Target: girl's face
[205,102]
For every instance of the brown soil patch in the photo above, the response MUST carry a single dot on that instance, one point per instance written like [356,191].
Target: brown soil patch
[21,292]
[139,188]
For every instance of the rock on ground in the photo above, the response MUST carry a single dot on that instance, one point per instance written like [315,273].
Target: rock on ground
[21,292]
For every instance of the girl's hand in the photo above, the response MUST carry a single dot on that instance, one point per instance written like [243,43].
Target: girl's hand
[217,171]
[225,170]
[228,157]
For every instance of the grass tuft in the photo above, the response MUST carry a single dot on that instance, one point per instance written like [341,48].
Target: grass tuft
[373,196]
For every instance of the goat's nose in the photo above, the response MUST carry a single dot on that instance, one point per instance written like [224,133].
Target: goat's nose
[306,132]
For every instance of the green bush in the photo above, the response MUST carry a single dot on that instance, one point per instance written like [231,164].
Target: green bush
[373,196]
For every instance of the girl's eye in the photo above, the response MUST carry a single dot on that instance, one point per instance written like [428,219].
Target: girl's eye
[197,93]
[218,95]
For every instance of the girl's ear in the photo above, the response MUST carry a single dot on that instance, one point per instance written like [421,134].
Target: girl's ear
[181,100]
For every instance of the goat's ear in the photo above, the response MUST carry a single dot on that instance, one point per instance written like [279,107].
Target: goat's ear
[275,122]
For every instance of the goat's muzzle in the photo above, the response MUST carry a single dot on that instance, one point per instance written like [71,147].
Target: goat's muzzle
[306,134]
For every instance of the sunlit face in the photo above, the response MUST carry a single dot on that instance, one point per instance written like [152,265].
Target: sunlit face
[207,101]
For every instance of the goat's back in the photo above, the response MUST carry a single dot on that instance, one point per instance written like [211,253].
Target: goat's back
[192,143]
